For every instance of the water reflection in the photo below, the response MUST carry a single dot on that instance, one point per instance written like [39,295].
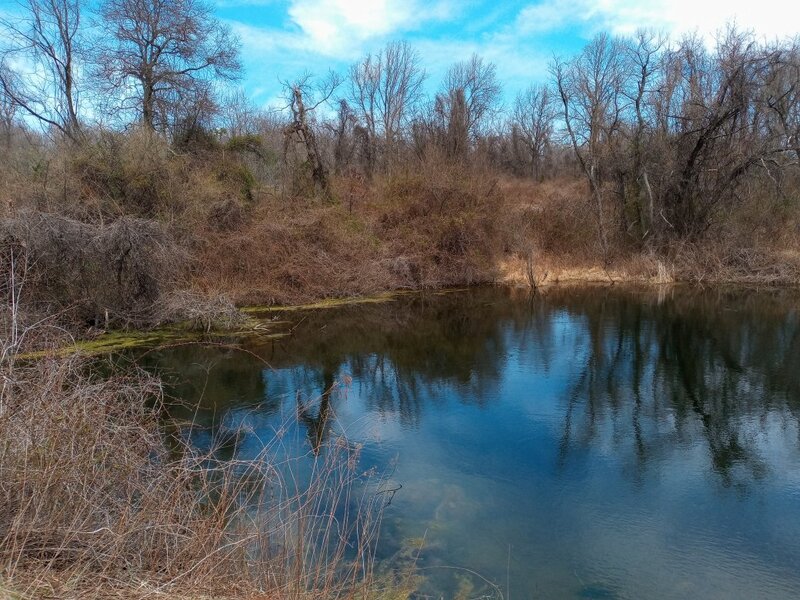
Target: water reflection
[588,441]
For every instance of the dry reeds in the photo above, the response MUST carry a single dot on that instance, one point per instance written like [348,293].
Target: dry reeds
[102,495]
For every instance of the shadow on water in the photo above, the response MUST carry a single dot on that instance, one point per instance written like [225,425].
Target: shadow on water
[516,417]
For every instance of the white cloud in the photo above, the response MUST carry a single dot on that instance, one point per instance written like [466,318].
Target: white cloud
[674,16]
[681,16]
[318,34]
[339,28]
[546,16]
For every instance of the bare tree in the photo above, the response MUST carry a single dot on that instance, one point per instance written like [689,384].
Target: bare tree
[238,115]
[454,112]
[304,98]
[365,81]
[342,130]
[46,40]
[532,124]
[159,51]
[591,91]
[384,89]
[8,110]
[645,63]
[471,86]
[400,89]
[782,93]
[720,136]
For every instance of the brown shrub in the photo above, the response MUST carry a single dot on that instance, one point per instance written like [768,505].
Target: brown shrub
[443,219]
[552,221]
[430,226]
[113,273]
[285,253]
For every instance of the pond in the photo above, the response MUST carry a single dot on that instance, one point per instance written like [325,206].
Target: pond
[590,442]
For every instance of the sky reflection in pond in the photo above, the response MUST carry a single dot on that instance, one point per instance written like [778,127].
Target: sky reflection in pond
[587,443]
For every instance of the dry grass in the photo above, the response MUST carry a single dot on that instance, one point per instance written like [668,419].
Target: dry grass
[200,225]
[553,222]
[435,224]
[103,496]
[428,227]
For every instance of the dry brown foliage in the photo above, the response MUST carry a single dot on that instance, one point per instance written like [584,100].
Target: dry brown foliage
[430,225]
[102,496]
[103,274]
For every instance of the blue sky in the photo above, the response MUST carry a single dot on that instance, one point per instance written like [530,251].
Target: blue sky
[281,39]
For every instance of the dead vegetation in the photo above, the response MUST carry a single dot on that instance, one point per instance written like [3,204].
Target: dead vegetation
[426,228]
[656,175]
[102,274]
[676,162]
[102,496]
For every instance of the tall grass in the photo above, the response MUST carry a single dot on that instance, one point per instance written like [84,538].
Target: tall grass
[102,495]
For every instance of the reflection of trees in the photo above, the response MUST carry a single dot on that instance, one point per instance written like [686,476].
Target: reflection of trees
[646,371]
[716,364]
[317,425]
[403,353]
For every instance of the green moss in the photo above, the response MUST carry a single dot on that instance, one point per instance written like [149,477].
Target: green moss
[114,341]
[322,304]
[338,302]
[117,341]
[245,143]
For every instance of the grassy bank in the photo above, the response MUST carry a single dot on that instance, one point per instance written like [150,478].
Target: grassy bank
[102,495]
[131,235]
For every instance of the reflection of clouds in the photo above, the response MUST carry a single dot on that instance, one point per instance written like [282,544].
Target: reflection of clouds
[645,556]
[617,442]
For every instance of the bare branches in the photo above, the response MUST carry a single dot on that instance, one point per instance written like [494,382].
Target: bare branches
[533,118]
[590,87]
[163,51]
[473,83]
[301,129]
[384,90]
[47,41]
[677,128]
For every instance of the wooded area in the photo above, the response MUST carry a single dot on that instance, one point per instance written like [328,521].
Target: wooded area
[642,157]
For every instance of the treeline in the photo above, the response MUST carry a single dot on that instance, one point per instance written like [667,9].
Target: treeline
[128,109]
[666,133]
[667,130]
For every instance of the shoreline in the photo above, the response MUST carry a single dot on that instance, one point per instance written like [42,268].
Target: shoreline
[116,340]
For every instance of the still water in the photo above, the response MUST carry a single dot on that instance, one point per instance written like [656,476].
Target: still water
[585,443]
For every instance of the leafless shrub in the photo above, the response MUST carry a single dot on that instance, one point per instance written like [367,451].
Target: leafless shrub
[226,215]
[108,274]
[445,217]
[204,311]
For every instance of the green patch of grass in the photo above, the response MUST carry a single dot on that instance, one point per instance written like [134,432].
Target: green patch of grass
[338,302]
[328,303]
[117,341]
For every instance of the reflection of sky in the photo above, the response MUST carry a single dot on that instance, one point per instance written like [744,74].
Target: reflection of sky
[528,465]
